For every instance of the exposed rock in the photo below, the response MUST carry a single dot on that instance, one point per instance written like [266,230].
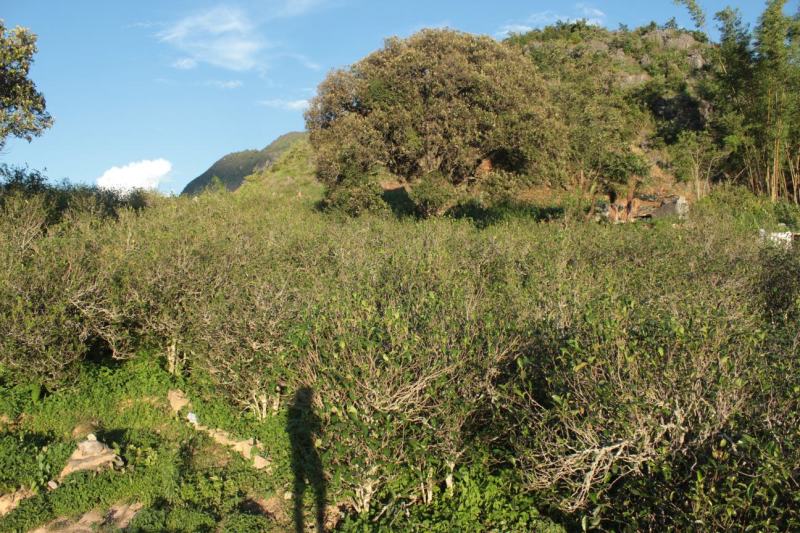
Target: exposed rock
[658,37]
[785,239]
[638,208]
[9,502]
[671,39]
[177,400]
[696,61]
[246,448]
[90,455]
[121,515]
[682,41]
[118,517]
[673,206]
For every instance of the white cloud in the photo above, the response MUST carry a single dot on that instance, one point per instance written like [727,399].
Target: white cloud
[146,174]
[186,63]
[229,84]
[286,105]
[508,29]
[590,14]
[228,37]
[222,36]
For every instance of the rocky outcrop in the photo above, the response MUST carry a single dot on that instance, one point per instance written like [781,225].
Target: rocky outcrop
[117,518]
[635,209]
[91,454]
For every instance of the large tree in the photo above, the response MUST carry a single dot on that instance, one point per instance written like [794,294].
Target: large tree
[441,102]
[22,106]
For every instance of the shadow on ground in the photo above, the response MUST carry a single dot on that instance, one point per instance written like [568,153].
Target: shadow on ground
[303,427]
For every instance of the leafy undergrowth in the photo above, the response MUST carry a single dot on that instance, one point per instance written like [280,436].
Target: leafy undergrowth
[185,481]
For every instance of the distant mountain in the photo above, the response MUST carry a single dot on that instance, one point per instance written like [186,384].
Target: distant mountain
[233,168]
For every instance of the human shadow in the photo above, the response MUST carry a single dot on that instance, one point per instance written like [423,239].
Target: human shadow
[303,427]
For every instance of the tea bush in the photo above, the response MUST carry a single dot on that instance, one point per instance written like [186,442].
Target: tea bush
[633,376]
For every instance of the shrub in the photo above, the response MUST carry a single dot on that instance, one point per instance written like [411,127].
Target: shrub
[432,195]
[355,196]
[594,370]
[48,286]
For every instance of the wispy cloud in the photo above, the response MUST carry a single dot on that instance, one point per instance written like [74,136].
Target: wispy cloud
[185,63]
[591,14]
[508,29]
[286,105]
[581,11]
[146,174]
[230,38]
[222,36]
[300,58]
[224,84]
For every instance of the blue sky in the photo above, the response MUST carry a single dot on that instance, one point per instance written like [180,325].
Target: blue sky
[152,92]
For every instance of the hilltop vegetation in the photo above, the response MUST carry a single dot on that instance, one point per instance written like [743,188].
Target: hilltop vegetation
[459,118]
[230,171]
[466,354]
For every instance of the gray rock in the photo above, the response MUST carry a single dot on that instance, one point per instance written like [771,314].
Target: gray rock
[673,206]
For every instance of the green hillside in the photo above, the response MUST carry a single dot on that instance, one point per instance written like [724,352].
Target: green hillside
[545,284]
[233,168]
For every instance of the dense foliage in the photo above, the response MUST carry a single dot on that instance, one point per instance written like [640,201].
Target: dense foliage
[22,106]
[441,101]
[758,118]
[597,110]
[512,367]
[649,387]
[622,95]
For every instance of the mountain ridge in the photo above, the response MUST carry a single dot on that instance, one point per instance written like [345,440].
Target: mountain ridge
[233,168]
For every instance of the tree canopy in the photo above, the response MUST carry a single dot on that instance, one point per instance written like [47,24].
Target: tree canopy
[23,112]
[440,101]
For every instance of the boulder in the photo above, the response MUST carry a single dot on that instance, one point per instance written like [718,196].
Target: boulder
[673,206]
[91,454]
[177,400]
